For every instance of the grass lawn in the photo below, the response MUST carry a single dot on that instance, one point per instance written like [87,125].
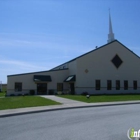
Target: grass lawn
[24,101]
[2,94]
[102,98]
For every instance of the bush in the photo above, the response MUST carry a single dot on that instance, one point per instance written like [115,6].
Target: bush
[59,92]
[85,93]
[12,94]
[26,94]
[72,93]
[51,92]
[32,92]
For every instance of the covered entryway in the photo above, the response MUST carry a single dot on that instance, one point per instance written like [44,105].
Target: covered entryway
[41,88]
[72,88]
[71,80]
[41,83]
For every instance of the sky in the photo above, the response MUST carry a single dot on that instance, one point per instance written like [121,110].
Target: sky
[37,35]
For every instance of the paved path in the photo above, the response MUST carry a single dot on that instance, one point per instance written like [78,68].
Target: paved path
[2,97]
[62,100]
[70,105]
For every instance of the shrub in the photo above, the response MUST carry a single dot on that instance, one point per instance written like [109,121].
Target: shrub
[85,93]
[12,94]
[32,92]
[51,92]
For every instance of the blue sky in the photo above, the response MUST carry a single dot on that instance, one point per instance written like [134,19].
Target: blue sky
[37,35]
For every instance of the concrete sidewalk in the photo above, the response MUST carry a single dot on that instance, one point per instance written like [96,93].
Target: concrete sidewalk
[62,100]
[67,104]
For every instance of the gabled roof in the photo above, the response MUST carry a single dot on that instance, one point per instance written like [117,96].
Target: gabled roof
[96,50]
[53,69]
[36,72]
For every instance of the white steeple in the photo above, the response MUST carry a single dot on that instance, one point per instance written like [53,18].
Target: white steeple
[110,35]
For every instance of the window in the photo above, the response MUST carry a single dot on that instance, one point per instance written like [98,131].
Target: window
[109,84]
[97,85]
[125,85]
[59,86]
[117,84]
[134,84]
[18,86]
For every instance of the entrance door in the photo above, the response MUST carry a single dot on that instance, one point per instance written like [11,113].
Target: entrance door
[72,88]
[41,88]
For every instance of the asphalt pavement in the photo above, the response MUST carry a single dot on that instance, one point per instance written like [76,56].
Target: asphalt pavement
[101,123]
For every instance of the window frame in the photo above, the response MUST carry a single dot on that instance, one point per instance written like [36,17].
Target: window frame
[97,84]
[125,84]
[109,84]
[60,86]
[18,86]
[135,87]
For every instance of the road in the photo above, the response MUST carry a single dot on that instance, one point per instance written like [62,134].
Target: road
[102,123]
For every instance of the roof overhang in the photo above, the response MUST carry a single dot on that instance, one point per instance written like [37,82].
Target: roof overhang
[42,78]
[71,78]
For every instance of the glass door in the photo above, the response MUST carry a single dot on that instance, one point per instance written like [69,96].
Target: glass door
[41,88]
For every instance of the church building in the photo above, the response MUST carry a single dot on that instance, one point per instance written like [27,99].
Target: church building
[110,69]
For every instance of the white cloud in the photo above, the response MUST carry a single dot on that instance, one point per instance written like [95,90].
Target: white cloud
[8,43]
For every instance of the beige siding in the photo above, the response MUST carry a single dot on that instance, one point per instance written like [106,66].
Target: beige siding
[73,68]
[99,66]
[93,66]
[29,84]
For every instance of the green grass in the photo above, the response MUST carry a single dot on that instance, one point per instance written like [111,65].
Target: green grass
[102,98]
[2,94]
[24,101]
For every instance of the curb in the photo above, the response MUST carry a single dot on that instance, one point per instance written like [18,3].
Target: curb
[64,108]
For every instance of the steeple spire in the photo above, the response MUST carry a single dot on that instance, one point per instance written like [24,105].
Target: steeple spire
[110,35]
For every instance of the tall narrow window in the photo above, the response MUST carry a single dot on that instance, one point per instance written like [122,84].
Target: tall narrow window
[125,84]
[59,86]
[109,84]
[117,84]
[97,84]
[135,84]
[18,86]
